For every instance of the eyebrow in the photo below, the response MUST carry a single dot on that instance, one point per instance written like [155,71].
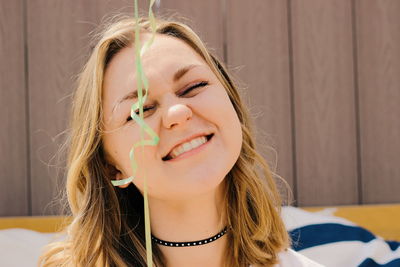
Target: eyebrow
[177,76]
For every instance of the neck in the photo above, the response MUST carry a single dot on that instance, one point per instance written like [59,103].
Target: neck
[190,220]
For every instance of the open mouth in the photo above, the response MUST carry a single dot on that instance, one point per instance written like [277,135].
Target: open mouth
[168,157]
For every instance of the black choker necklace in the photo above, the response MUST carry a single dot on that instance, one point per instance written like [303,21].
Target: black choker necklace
[191,243]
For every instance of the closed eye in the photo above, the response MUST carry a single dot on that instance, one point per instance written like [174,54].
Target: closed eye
[145,109]
[200,84]
[148,108]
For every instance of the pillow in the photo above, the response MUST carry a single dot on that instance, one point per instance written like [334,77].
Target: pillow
[334,241]
[21,247]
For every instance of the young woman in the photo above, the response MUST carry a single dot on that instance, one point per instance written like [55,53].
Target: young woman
[212,198]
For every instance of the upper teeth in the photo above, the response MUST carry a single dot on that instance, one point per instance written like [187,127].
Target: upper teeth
[188,146]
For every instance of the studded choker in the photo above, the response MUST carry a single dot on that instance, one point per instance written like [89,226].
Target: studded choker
[191,243]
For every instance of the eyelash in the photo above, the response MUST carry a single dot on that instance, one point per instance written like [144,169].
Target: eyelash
[200,84]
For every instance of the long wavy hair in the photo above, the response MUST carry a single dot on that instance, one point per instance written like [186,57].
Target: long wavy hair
[107,227]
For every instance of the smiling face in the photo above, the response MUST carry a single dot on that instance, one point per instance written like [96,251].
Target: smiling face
[186,100]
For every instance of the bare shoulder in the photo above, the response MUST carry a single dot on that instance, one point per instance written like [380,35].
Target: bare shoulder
[289,257]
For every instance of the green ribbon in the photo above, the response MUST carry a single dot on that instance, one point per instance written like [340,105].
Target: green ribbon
[142,81]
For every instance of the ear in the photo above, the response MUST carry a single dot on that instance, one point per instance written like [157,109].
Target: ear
[115,174]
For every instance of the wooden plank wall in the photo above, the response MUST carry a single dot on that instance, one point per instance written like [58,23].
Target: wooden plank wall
[378,70]
[321,78]
[14,146]
[258,52]
[323,94]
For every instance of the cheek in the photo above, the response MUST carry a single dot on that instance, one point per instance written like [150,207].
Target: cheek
[215,107]
[146,159]
[120,143]
[232,130]
[230,125]
[213,103]
[218,108]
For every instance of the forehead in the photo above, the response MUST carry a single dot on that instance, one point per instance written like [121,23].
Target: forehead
[165,55]
[166,48]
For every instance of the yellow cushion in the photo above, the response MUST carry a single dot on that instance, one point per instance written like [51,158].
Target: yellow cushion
[44,224]
[382,220]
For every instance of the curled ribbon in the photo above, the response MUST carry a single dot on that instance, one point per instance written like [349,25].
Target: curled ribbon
[142,81]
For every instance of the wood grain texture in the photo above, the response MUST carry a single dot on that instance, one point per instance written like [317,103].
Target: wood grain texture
[325,121]
[378,46]
[14,173]
[306,59]
[258,54]
[204,17]
[58,47]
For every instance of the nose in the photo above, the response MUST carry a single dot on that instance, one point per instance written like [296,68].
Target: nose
[177,114]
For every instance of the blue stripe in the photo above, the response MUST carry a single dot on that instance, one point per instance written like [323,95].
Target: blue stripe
[393,245]
[371,263]
[319,234]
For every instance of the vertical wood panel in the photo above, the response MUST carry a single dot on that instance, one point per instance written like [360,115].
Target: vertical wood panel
[257,46]
[326,149]
[58,46]
[205,17]
[13,140]
[378,46]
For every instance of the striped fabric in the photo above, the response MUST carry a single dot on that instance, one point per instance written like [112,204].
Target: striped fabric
[333,241]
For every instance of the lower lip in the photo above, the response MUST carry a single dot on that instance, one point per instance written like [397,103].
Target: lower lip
[193,151]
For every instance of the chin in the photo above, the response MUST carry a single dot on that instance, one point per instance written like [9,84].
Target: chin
[208,181]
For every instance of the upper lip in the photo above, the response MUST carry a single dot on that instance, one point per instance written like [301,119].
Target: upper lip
[186,140]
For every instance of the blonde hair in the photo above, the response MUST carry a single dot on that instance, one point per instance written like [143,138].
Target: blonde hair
[107,227]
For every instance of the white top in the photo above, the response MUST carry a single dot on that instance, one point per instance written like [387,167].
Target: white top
[291,258]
